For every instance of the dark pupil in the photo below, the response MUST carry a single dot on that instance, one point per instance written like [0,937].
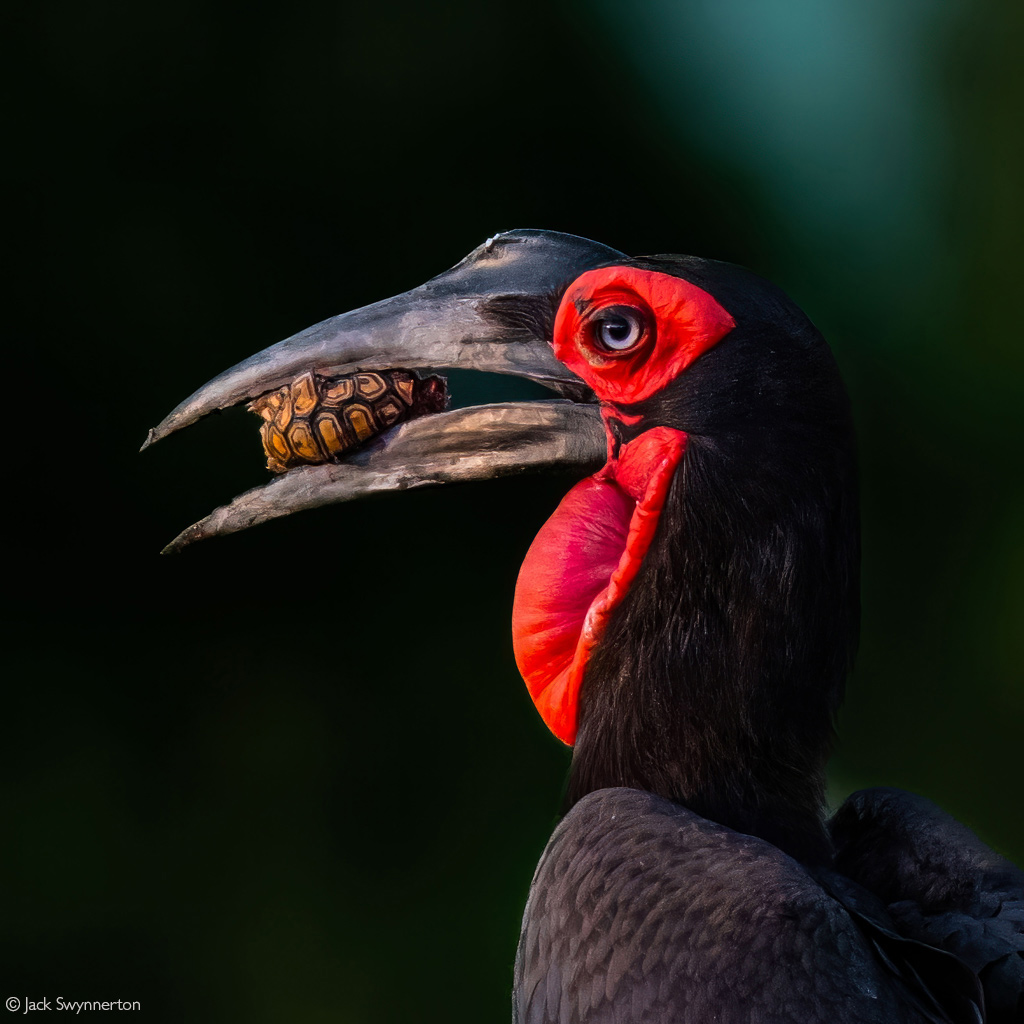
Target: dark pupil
[617,328]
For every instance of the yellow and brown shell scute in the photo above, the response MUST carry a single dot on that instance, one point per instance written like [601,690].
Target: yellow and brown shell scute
[319,419]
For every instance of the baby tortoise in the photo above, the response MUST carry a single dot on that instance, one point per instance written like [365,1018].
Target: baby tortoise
[318,419]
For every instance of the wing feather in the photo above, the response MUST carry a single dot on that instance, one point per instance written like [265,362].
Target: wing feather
[641,912]
[940,885]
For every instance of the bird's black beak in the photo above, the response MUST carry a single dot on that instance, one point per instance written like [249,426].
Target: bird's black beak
[491,312]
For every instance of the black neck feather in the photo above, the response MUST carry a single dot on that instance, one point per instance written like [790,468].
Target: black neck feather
[720,673]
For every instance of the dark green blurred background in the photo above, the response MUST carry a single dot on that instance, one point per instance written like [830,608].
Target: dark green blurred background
[247,784]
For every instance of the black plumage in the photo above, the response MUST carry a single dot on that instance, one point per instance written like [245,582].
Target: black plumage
[643,911]
[719,675]
[940,885]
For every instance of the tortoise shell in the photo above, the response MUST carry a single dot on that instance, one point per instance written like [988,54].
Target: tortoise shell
[319,419]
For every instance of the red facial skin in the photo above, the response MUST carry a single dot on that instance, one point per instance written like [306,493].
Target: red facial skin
[683,321]
[585,557]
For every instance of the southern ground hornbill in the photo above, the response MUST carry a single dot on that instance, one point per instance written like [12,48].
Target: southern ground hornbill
[685,619]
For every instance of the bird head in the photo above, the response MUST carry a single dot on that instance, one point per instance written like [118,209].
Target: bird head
[691,603]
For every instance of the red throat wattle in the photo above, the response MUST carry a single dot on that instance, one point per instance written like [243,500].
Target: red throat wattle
[581,564]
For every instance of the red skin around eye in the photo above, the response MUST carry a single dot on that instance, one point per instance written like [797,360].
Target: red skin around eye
[685,322]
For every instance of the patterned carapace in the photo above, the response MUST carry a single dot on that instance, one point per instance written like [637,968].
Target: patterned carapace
[318,419]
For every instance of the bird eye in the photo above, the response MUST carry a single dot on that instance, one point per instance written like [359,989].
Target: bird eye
[618,328]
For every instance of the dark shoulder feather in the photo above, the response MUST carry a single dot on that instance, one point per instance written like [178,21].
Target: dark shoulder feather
[643,912]
[941,885]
